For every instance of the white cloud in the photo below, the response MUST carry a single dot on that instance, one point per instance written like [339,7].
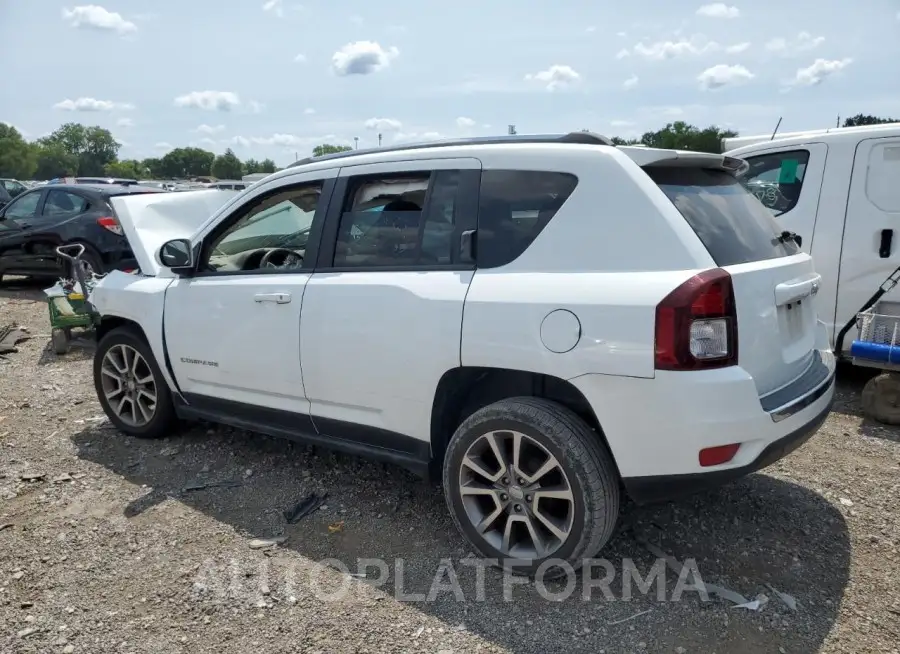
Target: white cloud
[256,107]
[465,123]
[362,58]
[737,48]
[557,76]
[356,19]
[239,140]
[275,7]
[621,123]
[384,124]
[417,137]
[98,18]
[209,100]
[124,122]
[819,70]
[663,50]
[591,29]
[309,111]
[621,54]
[163,145]
[719,10]
[209,129]
[621,35]
[91,104]
[723,75]
[300,59]
[203,143]
[631,82]
[804,41]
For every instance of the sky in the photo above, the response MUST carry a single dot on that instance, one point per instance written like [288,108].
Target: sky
[273,78]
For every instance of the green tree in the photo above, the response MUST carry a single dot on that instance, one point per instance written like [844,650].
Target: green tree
[54,161]
[18,158]
[130,169]
[152,167]
[94,147]
[328,148]
[252,166]
[617,140]
[186,162]
[227,166]
[864,119]
[267,166]
[682,136]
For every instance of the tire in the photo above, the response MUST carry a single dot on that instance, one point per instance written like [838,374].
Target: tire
[583,459]
[60,340]
[881,398]
[162,418]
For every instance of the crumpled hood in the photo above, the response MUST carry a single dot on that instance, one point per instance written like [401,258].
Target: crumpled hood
[151,219]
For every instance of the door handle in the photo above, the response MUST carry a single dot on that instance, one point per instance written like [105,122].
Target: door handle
[887,238]
[277,298]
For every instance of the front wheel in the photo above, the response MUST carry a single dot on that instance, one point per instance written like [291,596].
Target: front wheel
[529,484]
[131,389]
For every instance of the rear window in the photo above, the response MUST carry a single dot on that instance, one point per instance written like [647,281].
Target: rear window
[731,222]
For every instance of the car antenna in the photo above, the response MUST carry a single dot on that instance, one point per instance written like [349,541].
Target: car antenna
[776,129]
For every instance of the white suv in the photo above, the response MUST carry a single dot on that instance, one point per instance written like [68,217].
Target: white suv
[545,320]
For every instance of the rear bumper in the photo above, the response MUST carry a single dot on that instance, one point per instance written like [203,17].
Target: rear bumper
[657,427]
[646,490]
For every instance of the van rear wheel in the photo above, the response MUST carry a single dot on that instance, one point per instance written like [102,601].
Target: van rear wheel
[529,484]
[881,398]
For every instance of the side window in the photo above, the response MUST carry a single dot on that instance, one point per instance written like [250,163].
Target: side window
[268,233]
[513,208]
[14,188]
[385,221]
[776,179]
[63,203]
[23,206]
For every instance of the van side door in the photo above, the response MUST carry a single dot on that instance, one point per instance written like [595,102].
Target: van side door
[871,243]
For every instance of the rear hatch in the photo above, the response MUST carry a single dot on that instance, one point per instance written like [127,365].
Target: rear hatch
[774,282]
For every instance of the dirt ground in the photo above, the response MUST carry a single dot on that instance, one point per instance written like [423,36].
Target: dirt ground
[111,544]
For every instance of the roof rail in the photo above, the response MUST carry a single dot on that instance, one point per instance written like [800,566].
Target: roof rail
[582,138]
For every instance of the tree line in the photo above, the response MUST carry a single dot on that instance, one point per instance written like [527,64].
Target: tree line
[75,149]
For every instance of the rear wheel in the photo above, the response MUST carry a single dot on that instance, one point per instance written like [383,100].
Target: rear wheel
[130,387]
[530,484]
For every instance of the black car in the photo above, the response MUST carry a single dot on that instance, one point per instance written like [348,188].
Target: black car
[37,221]
[10,188]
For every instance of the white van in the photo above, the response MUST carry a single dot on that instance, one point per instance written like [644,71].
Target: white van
[839,190]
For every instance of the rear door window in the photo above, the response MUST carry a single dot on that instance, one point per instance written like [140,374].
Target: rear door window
[63,203]
[514,207]
[731,222]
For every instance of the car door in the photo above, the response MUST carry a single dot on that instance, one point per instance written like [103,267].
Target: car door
[17,221]
[382,314]
[871,236]
[60,208]
[232,330]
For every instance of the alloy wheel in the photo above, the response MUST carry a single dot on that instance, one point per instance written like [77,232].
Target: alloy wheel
[128,385]
[516,494]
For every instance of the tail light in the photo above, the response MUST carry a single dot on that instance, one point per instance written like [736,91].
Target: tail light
[111,224]
[696,324]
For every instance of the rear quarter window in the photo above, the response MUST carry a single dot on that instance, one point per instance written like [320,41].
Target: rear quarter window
[513,208]
[731,222]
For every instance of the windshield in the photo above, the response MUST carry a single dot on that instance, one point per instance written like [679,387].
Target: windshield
[733,224]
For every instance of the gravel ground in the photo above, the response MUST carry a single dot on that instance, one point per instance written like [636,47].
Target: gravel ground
[107,544]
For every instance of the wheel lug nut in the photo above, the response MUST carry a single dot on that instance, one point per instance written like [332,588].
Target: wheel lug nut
[518,507]
[504,496]
[506,481]
[528,498]
[521,482]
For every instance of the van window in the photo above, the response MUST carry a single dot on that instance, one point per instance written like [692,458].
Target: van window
[730,221]
[513,208]
[883,176]
[776,179]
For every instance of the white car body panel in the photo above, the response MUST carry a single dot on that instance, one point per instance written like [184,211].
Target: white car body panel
[151,219]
